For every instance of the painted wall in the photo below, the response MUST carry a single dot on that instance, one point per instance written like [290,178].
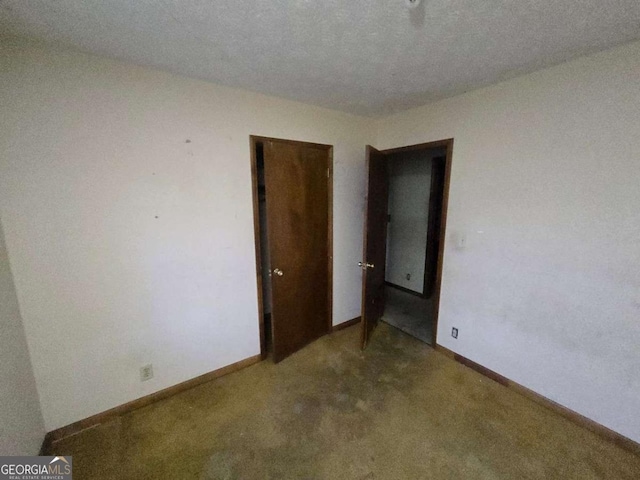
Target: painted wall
[126,197]
[545,190]
[21,425]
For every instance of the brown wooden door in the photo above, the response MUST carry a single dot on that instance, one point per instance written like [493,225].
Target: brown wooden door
[297,198]
[375,242]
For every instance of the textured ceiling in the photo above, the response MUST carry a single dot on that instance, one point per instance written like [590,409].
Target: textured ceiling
[361,56]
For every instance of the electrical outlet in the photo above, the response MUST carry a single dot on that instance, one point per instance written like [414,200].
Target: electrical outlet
[408,276]
[454,332]
[146,373]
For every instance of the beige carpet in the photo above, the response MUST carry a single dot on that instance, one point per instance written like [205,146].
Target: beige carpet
[397,411]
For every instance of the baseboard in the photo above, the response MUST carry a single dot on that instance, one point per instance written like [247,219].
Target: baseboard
[347,324]
[45,448]
[405,290]
[575,417]
[94,420]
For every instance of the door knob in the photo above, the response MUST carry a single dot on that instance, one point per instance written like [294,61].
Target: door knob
[364,266]
[278,272]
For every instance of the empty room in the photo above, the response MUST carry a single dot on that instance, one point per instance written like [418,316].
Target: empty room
[329,239]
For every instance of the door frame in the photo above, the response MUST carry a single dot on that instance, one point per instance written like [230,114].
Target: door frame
[254,140]
[448,145]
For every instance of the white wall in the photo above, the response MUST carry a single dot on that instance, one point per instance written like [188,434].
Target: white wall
[21,425]
[545,187]
[131,245]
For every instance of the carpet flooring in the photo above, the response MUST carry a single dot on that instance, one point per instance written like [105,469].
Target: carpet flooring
[410,313]
[398,410]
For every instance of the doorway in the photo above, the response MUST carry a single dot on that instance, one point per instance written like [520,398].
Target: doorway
[414,204]
[292,207]
[404,238]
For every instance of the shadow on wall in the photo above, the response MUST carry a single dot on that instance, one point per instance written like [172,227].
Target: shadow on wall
[20,415]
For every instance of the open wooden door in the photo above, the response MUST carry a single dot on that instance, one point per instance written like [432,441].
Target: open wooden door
[375,242]
[297,203]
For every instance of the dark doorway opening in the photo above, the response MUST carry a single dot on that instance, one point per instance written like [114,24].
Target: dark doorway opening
[408,190]
[416,181]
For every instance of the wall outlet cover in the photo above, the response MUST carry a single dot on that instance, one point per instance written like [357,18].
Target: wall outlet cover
[454,332]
